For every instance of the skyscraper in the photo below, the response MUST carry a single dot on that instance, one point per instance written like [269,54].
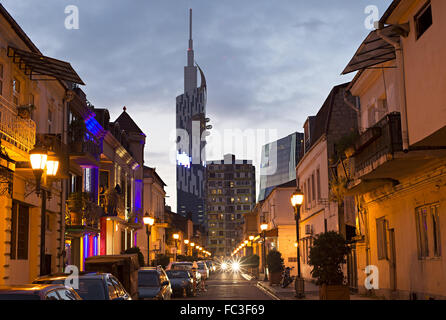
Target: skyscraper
[278,162]
[231,192]
[191,129]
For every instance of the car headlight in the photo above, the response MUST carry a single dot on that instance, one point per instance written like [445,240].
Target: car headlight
[235,266]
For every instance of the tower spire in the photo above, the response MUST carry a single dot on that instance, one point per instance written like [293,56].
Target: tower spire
[191,42]
[190,71]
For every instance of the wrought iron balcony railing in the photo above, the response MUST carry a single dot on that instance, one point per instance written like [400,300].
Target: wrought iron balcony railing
[382,139]
[16,130]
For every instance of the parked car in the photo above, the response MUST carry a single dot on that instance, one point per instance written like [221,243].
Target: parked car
[185,266]
[91,286]
[182,282]
[153,284]
[38,292]
[203,270]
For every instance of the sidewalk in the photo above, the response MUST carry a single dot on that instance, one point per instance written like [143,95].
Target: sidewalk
[311,291]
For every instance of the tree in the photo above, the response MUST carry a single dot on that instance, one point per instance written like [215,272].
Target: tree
[327,256]
[274,261]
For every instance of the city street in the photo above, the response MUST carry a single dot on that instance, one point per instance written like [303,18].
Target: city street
[230,286]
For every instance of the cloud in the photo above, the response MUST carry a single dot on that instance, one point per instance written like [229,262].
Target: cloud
[268,64]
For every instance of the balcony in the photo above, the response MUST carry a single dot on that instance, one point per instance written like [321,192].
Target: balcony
[15,130]
[379,158]
[377,145]
[84,149]
[82,213]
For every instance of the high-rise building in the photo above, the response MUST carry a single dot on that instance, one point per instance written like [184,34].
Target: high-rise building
[278,162]
[231,192]
[191,128]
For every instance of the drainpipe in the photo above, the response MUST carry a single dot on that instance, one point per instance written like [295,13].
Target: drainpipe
[402,87]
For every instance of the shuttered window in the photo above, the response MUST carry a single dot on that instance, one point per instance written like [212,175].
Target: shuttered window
[381,233]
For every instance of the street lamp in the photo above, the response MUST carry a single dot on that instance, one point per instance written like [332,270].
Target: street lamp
[38,158]
[176,236]
[148,221]
[186,242]
[263,227]
[251,251]
[297,198]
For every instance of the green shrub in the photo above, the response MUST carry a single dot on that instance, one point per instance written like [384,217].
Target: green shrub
[162,260]
[274,261]
[327,256]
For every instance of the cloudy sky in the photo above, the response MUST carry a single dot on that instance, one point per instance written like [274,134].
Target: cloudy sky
[269,64]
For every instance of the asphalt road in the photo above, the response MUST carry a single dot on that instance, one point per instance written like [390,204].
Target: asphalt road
[230,286]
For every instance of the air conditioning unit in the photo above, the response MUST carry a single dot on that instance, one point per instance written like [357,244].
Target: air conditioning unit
[308,229]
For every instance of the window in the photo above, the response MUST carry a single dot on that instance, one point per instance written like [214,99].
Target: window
[423,20]
[371,120]
[1,79]
[428,231]
[19,232]
[318,178]
[313,193]
[50,120]
[381,233]
[16,91]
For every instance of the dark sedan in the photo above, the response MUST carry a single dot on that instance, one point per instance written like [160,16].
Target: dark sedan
[153,284]
[38,292]
[91,285]
[182,282]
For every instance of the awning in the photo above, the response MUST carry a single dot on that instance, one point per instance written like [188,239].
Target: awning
[374,50]
[39,67]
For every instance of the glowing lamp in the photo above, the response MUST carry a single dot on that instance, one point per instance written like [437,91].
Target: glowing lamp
[51,167]
[297,198]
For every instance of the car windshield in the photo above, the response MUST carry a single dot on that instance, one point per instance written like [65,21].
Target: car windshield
[148,279]
[89,289]
[173,274]
[18,296]
[201,265]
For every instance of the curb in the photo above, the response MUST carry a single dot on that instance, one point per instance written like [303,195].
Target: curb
[267,290]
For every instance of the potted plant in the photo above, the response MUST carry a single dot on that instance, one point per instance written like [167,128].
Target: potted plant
[326,257]
[275,265]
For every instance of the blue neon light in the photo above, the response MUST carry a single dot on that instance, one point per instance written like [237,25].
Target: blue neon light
[86,245]
[95,246]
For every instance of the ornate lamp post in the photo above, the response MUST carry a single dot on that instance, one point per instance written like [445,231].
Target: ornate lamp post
[148,221]
[297,198]
[263,227]
[39,162]
[176,236]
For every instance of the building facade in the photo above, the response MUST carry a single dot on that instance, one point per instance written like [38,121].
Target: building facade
[191,126]
[278,162]
[33,113]
[321,212]
[231,192]
[398,167]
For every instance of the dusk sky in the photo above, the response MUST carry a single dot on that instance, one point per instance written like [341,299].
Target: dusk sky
[268,64]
